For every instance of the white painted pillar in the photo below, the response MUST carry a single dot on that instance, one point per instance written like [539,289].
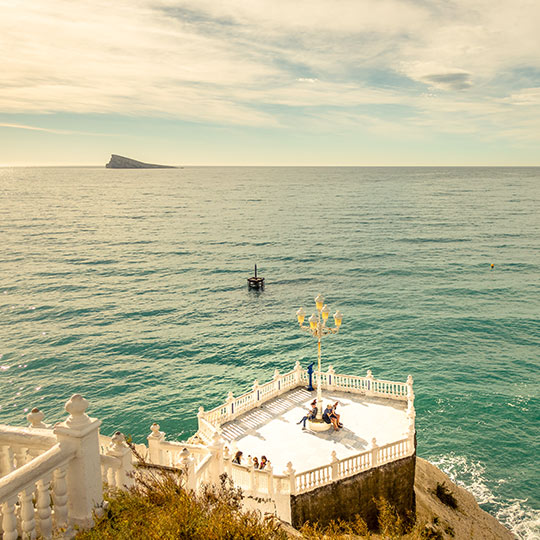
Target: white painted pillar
[154,445]
[230,407]
[227,461]
[275,379]
[120,450]
[270,471]
[187,464]
[290,472]
[374,452]
[256,393]
[370,378]
[84,488]
[330,374]
[216,466]
[251,468]
[334,464]
[297,373]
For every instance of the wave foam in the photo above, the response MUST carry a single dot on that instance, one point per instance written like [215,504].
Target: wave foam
[515,514]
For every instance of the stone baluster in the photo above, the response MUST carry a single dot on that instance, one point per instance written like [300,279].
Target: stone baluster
[374,452]
[230,406]
[330,374]
[270,470]
[84,487]
[60,497]
[370,390]
[227,461]
[216,466]
[35,419]
[187,466]
[28,522]
[9,520]
[154,445]
[290,472]
[297,373]
[21,454]
[43,507]
[119,449]
[335,466]
[6,460]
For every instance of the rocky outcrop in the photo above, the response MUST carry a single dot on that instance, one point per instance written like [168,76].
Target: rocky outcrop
[121,162]
[467,520]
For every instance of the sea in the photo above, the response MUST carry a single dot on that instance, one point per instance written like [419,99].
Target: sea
[129,287]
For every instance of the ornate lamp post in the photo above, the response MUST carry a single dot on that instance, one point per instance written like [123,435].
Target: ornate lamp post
[318,329]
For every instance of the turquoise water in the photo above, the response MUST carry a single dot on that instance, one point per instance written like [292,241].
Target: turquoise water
[130,288]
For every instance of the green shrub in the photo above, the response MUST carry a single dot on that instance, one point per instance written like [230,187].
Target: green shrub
[445,496]
[159,508]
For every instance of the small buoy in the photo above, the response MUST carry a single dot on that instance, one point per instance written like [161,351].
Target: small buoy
[492,265]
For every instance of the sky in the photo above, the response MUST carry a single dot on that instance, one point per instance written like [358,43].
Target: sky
[270,82]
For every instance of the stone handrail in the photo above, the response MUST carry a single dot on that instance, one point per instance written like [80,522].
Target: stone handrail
[234,407]
[258,482]
[41,439]
[349,466]
[30,482]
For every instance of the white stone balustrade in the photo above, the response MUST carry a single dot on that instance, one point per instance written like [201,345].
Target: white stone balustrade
[52,477]
[259,394]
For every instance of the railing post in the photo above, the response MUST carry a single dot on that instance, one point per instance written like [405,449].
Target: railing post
[410,392]
[154,445]
[230,406]
[289,471]
[374,452]
[297,373]
[334,464]
[256,392]
[120,450]
[84,488]
[187,464]
[216,466]
[270,470]
[35,419]
[330,374]
[200,414]
[275,379]
[369,377]
[251,469]
[227,461]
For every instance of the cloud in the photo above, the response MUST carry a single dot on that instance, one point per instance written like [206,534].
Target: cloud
[271,63]
[53,130]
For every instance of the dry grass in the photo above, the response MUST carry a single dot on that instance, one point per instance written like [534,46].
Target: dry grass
[160,508]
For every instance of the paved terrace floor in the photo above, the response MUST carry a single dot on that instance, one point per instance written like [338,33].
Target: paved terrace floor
[272,429]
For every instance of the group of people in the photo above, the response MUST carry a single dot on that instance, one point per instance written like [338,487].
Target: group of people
[256,463]
[330,415]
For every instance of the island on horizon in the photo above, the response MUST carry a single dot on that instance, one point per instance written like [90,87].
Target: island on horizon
[121,162]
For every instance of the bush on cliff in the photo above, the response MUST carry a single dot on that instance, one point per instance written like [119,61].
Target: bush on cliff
[159,508]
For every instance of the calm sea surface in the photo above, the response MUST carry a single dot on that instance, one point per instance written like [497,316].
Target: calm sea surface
[130,288]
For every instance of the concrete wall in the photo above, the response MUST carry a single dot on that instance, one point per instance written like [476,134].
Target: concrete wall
[357,494]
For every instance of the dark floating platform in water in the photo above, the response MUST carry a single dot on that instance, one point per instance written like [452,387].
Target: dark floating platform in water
[121,162]
[256,282]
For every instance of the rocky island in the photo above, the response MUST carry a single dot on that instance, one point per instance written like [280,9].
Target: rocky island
[121,162]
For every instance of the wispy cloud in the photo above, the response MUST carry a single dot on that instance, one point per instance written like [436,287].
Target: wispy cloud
[54,131]
[275,63]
